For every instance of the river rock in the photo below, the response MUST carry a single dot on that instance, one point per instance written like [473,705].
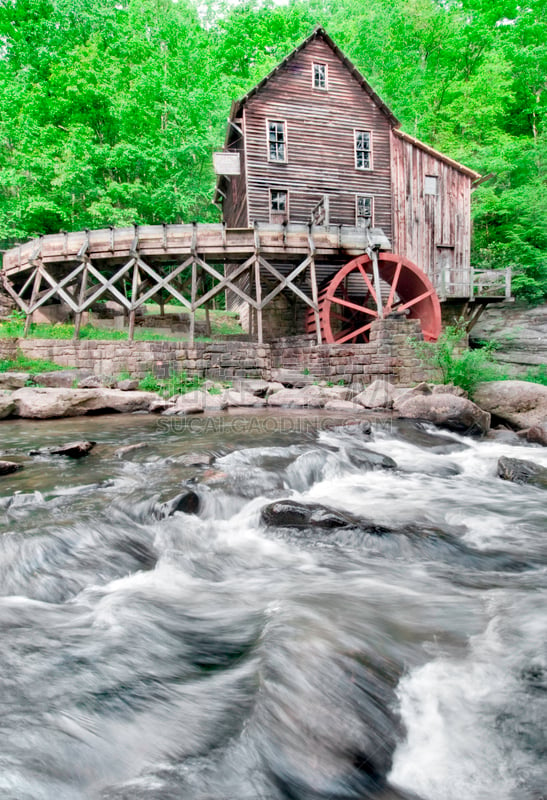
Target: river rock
[449,388]
[378,395]
[122,452]
[369,459]
[256,386]
[297,398]
[195,402]
[402,395]
[71,450]
[196,460]
[239,398]
[290,514]
[447,411]
[344,405]
[7,406]
[13,380]
[535,435]
[522,404]
[188,502]
[127,385]
[61,379]
[520,471]
[95,382]
[45,403]
[292,378]
[8,467]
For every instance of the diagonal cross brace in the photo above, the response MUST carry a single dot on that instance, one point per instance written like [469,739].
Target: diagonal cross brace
[287,282]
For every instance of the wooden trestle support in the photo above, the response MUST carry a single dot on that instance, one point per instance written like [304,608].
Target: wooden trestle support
[191,263]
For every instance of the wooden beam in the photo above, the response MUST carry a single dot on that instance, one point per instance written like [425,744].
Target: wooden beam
[35,290]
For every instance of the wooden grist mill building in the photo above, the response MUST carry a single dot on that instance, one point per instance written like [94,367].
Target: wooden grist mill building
[333,218]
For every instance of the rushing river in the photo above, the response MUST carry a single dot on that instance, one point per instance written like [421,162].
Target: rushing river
[211,656]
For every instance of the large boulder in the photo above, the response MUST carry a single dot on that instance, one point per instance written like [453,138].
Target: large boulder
[44,403]
[520,403]
[447,411]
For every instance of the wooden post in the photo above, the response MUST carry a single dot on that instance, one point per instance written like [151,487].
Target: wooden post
[258,288]
[134,293]
[508,283]
[193,292]
[35,290]
[81,298]
[377,287]
[313,281]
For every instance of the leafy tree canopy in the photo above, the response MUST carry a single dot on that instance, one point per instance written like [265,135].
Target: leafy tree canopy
[111,109]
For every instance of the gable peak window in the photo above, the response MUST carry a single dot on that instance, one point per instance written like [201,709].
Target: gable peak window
[319,74]
[363,149]
[277,140]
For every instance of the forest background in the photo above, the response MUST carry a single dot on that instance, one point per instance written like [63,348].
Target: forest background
[110,110]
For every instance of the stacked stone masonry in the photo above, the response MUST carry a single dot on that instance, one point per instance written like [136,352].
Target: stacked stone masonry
[389,355]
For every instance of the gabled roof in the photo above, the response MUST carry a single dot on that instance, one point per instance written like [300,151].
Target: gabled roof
[318,33]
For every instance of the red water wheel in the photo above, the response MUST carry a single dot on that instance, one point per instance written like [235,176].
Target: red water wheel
[348,303]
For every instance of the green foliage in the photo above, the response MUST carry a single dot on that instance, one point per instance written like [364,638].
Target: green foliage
[176,383]
[31,365]
[459,365]
[537,375]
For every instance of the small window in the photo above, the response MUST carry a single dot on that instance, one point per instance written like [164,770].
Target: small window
[279,205]
[277,141]
[431,184]
[364,212]
[363,149]
[320,76]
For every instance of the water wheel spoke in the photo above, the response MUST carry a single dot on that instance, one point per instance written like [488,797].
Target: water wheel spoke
[393,287]
[368,283]
[414,300]
[348,304]
[354,334]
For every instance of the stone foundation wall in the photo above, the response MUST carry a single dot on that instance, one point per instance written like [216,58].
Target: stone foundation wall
[389,356]
[8,349]
[205,359]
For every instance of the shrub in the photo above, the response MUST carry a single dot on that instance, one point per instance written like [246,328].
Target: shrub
[458,364]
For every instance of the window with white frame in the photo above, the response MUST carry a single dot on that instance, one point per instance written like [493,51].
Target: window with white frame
[364,211]
[277,140]
[363,149]
[320,76]
[279,205]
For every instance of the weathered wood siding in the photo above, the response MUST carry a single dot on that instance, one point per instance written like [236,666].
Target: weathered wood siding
[433,231]
[234,206]
[320,142]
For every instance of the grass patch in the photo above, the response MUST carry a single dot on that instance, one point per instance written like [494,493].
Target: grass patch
[176,383]
[30,365]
